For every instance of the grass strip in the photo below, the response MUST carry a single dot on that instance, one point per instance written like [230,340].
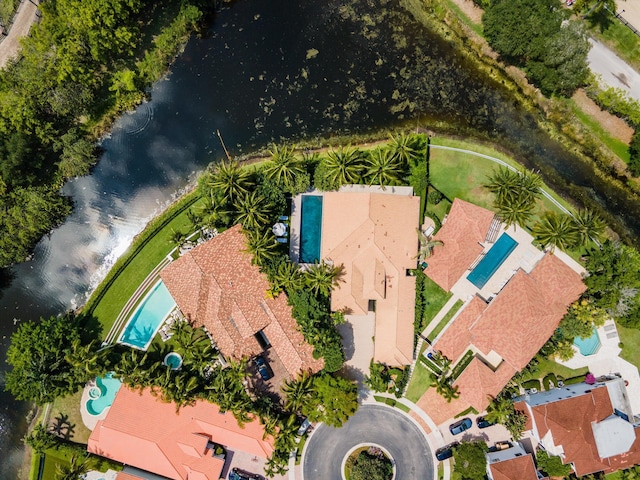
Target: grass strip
[420,382]
[445,320]
[462,364]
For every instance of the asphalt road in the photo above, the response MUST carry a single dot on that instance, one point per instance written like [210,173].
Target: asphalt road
[371,424]
[613,70]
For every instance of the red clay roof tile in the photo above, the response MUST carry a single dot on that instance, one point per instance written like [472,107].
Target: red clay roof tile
[216,286]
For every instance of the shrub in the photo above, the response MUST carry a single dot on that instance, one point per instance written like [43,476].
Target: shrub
[548,379]
[533,383]
[435,197]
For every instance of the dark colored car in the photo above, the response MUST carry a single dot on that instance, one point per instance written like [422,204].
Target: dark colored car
[237,474]
[263,368]
[483,422]
[446,452]
[460,426]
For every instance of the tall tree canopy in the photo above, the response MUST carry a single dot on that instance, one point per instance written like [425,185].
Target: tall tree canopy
[41,371]
[539,37]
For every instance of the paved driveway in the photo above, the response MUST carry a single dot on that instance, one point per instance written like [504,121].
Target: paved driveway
[377,424]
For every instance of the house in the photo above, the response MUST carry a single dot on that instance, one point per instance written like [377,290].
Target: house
[590,427]
[373,233]
[216,286]
[142,431]
[513,463]
[510,308]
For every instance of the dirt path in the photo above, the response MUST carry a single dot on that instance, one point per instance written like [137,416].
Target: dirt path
[24,18]
[470,10]
[615,126]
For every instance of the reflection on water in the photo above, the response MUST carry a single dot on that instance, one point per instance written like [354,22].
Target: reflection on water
[343,68]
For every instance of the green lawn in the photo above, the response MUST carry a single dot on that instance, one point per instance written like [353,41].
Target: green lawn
[436,298]
[630,338]
[68,408]
[434,333]
[618,147]
[419,383]
[617,36]
[461,175]
[547,366]
[142,263]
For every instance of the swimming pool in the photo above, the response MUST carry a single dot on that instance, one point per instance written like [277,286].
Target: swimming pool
[495,257]
[148,317]
[588,346]
[173,360]
[106,387]
[310,228]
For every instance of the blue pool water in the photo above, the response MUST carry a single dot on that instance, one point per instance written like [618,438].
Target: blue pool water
[146,320]
[588,346]
[495,257]
[310,228]
[108,387]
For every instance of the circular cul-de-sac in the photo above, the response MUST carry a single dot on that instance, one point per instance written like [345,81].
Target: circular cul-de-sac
[372,424]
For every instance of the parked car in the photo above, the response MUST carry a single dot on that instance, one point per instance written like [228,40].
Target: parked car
[446,452]
[483,422]
[304,427]
[237,474]
[460,426]
[263,368]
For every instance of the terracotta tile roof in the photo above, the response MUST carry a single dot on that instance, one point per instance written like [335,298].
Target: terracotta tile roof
[479,384]
[455,340]
[515,325]
[438,409]
[126,476]
[142,431]
[569,421]
[216,286]
[518,468]
[466,226]
[376,240]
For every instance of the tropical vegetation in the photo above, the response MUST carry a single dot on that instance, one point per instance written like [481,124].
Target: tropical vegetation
[82,64]
[470,462]
[370,464]
[541,38]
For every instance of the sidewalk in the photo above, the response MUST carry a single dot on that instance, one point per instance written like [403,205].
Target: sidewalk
[25,16]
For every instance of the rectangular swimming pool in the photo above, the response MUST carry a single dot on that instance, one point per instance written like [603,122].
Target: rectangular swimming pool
[310,228]
[495,257]
[148,317]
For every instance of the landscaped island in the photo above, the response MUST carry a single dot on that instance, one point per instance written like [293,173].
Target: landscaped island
[223,306]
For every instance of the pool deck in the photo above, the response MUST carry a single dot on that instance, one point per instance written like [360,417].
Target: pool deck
[525,256]
[90,420]
[607,361]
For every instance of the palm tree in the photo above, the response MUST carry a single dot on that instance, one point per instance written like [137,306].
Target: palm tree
[556,230]
[403,148]
[530,184]
[253,211]
[503,183]
[516,212]
[322,277]
[85,358]
[382,168]
[73,470]
[426,246]
[343,166]
[262,246]
[283,166]
[176,237]
[444,388]
[288,276]
[589,226]
[298,393]
[499,410]
[229,180]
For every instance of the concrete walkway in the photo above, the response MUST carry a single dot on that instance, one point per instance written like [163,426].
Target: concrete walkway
[25,16]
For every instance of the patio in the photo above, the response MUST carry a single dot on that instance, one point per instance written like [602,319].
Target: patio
[606,361]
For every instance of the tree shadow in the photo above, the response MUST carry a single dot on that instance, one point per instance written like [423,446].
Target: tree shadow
[602,19]
[62,427]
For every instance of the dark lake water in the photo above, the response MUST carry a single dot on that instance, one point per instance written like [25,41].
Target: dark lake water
[269,71]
